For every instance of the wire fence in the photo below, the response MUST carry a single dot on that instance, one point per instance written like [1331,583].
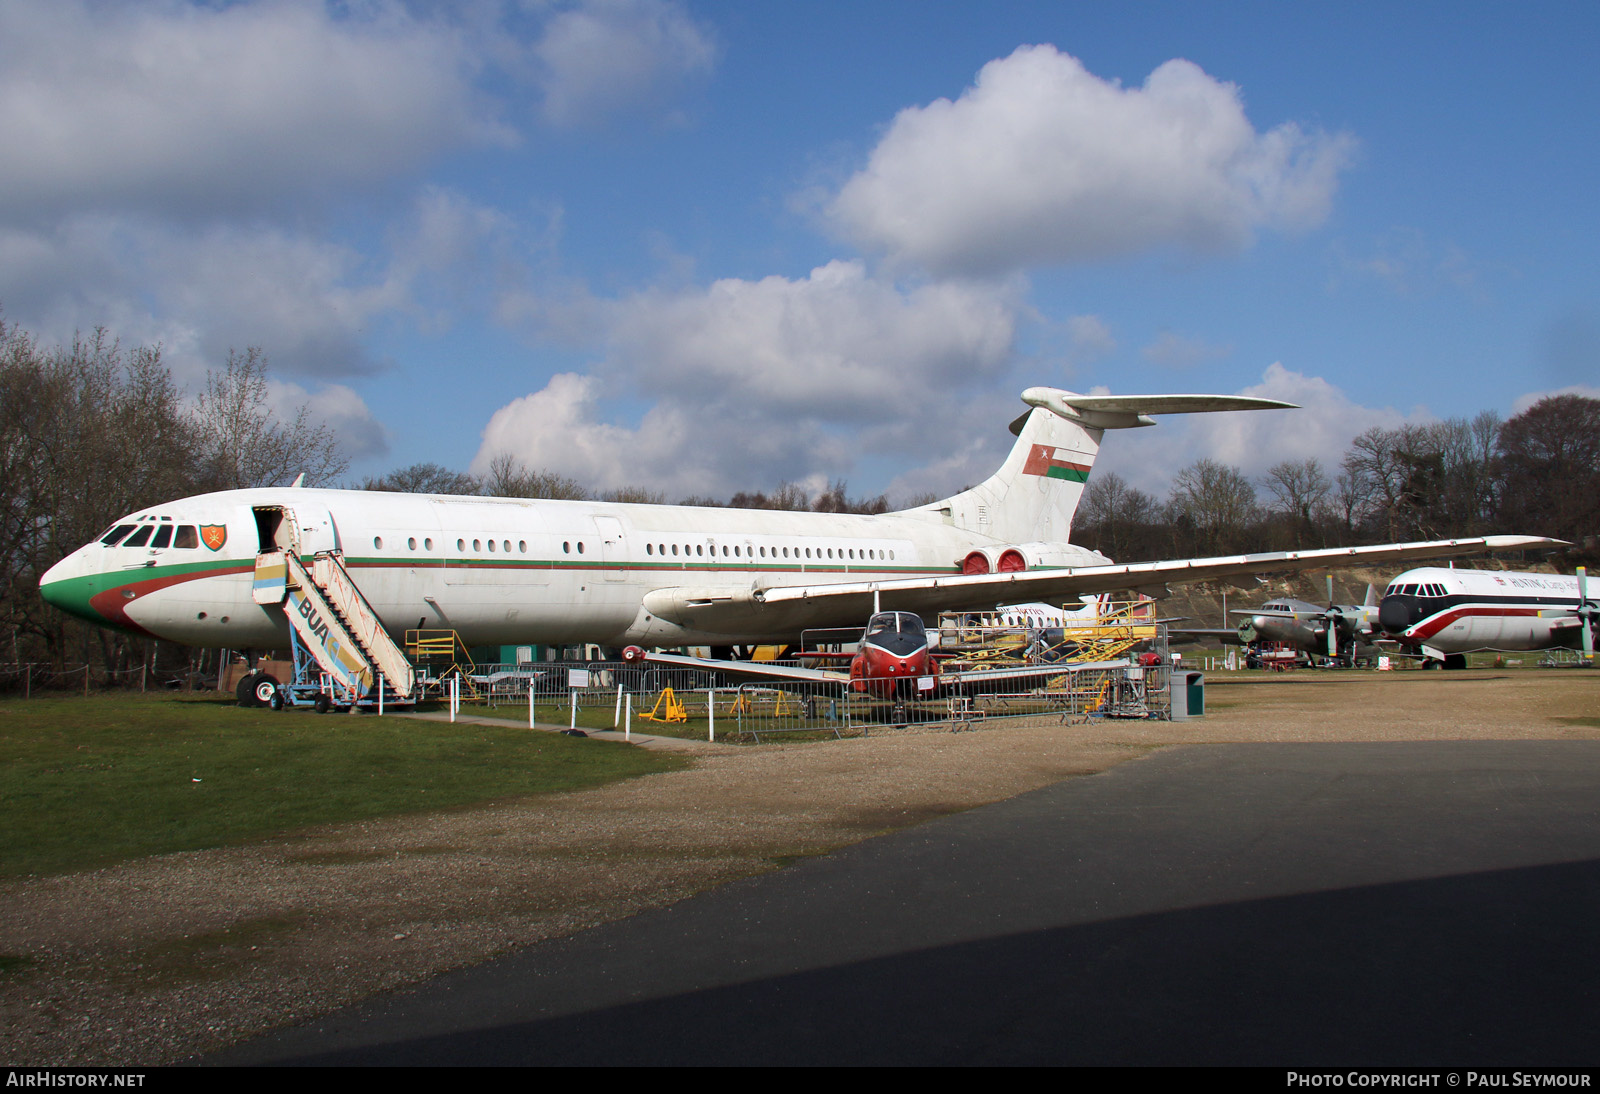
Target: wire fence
[704,703]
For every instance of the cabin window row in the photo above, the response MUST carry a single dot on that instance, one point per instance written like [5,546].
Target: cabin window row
[736,551]
[500,546]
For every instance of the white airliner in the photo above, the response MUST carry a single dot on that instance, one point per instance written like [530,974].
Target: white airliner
[504,571]
[1449,613]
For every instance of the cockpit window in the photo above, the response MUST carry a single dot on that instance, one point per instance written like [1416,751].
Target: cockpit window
[163,536]
[110,538]
[186,537]
[903,622]
[141,537]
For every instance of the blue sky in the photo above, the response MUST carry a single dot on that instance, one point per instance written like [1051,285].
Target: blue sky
[703,247]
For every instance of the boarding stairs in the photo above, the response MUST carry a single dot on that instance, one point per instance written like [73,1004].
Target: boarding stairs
[334,622]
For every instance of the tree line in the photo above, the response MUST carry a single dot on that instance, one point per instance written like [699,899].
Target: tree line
[92,431]
[1535,474]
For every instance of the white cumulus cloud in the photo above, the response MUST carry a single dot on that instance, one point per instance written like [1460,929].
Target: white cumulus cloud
[605,56]
[836,343]
[184,109]
[1040,162]
[360,434]
[751,383]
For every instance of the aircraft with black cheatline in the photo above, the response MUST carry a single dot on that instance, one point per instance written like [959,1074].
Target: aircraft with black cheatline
[353,571]
[1445,614]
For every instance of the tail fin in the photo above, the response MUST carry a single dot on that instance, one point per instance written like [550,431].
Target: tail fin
[1033,497]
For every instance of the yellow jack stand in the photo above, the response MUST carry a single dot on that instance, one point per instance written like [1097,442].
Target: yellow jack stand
[667,709]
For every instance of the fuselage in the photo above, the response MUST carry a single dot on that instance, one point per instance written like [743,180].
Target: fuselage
[1458,611]
[496,570]
[1304,625]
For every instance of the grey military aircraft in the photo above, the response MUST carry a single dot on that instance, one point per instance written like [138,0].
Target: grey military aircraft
[1340,632]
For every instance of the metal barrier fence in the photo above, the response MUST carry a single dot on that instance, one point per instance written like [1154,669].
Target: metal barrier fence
[702,703]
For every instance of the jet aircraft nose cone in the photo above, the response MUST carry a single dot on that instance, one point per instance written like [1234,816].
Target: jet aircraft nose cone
[69,585]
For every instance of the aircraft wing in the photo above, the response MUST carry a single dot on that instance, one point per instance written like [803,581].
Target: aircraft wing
[751,670]
[771,609]
[973,681]
[988,681]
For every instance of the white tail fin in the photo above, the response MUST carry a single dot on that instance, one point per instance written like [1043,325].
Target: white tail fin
[1034,495]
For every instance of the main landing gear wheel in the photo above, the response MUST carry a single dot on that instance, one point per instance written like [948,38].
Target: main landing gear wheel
[265,689]
[246,691]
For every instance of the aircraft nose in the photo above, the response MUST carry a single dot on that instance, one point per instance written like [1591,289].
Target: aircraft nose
[1398,612]
[69,586]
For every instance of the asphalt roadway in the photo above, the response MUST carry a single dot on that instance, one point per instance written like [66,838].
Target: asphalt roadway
[1411,903]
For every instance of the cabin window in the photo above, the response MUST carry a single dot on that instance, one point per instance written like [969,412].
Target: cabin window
[505,545]
[477,545]
[427,544]
[522,546]
[163,536]
[491,546]
[736,552]
[461,545]
[580,546]
[649,549]
[566,548]
[111,537]
[699,549]
[377,541]
[891,556]
[674,548]
[411,543]
[187,537]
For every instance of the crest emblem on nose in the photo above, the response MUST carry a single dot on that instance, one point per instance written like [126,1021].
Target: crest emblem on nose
[214,535]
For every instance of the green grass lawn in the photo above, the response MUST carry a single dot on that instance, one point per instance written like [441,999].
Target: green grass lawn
[87,782]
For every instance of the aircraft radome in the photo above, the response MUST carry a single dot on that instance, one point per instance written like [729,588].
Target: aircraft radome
[1447,613]
[518,571]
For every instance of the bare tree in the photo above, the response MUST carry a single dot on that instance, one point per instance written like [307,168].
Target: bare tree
[246,445]
[635,495]
[1300,490]
[88,433]
[1117,519]
[425,478]
[509,477]
[1215,503]
[1549,462]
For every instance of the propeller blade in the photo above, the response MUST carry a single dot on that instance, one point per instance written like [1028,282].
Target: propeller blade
[1586,613]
